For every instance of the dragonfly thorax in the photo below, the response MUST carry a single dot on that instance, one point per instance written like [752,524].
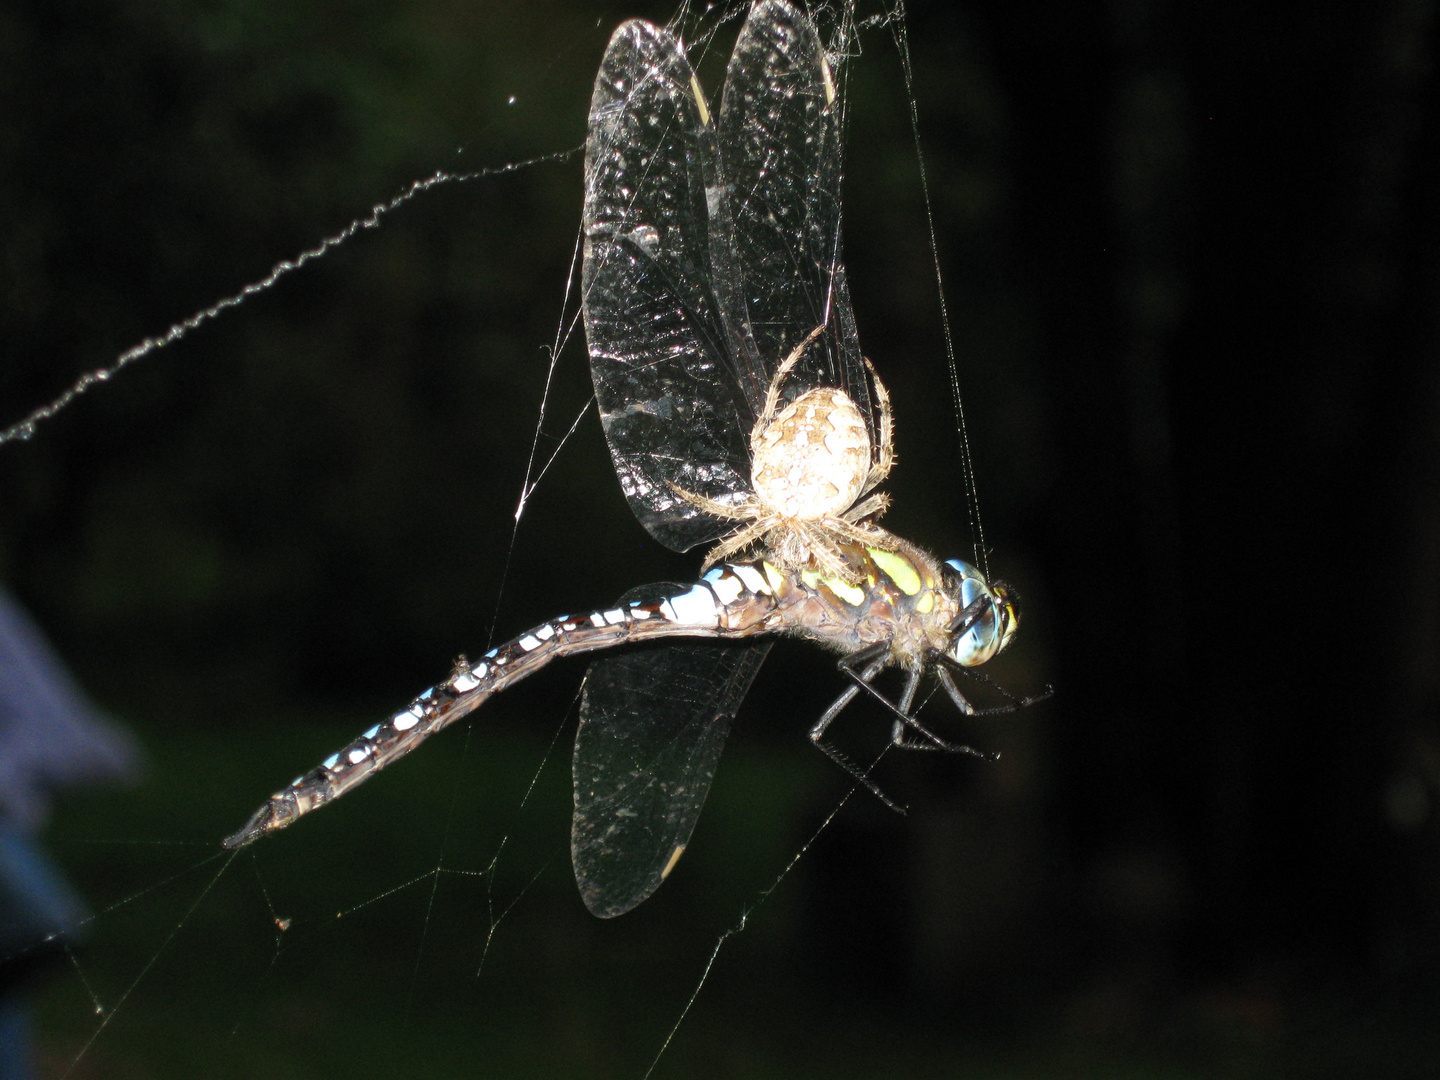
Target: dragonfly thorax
[811,461]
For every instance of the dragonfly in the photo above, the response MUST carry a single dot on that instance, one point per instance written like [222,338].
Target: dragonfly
[740,414]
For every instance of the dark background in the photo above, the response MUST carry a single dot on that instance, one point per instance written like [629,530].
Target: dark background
[1188,253]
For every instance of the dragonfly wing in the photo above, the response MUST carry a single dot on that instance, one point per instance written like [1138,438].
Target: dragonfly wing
[664,354]
[653,721]
[779,134]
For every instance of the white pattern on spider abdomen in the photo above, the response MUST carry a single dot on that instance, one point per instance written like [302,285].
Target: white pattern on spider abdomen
[812,460]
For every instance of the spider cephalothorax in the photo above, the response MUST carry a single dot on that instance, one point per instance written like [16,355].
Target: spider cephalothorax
[813,475]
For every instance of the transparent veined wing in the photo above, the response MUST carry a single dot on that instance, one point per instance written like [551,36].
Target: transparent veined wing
[710,253]
[780,142]
[653,721]
[670,365]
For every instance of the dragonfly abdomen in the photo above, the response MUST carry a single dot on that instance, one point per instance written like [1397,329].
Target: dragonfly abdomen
[731,601]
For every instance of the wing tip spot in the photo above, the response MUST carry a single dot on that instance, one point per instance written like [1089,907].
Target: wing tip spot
[700,100]
[674,858]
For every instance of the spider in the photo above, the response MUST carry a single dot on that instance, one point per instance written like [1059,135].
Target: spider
[813,475]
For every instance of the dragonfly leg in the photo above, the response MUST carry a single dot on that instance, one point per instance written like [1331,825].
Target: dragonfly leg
[903,720]
[899,727]
[945,665]
[968,616]
[907,699]
[930,742]
[862,667]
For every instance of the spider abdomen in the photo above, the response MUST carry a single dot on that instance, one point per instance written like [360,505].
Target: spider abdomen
[812,459]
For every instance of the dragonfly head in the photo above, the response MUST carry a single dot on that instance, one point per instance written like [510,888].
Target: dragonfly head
[979,637]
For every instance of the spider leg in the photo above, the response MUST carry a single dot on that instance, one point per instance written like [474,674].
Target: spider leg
[817,537]
[772,395]
[862,533]
[885,452]
[748,509]
[872,507]
[738,541]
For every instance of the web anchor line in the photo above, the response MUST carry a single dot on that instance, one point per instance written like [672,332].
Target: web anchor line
[25,428]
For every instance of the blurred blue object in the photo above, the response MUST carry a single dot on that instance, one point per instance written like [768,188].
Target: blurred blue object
[51,737]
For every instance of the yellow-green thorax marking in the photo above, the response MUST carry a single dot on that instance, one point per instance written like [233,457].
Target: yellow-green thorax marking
[903,596]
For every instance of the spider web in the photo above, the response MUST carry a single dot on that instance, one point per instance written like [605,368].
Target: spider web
[431,924]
